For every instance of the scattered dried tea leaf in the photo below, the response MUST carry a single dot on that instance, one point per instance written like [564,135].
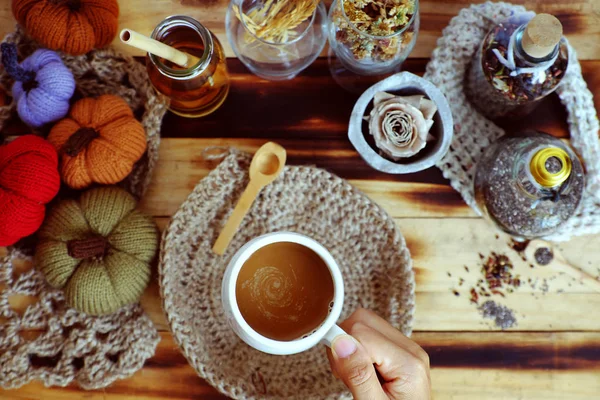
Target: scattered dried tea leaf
[502,316]
[543,256]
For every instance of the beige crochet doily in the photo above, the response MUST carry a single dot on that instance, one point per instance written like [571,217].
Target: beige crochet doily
[71,346]
[362,237]
[473,132]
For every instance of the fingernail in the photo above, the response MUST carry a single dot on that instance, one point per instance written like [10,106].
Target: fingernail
[343,346]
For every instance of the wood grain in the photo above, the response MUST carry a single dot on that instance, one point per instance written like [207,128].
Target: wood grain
[553,352]
[441,248]
[314,106]
[579,18]
[181,166]
[465,366]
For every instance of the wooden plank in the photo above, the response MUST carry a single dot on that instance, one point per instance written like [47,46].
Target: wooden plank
[464,365]
[445,246]
[313,108]
[321,108]
[579,19]
[441,248]
[181,166]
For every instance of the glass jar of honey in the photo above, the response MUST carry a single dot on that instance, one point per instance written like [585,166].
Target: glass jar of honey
[200,89]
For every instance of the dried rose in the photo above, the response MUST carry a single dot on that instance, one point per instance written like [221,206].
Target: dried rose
[400,124]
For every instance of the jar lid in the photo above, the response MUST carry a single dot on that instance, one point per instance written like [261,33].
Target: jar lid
[546,172]
[541,35]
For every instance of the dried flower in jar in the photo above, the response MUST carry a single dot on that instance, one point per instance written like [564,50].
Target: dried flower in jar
[276,20]
[504,79]
[400,124]
[380,18]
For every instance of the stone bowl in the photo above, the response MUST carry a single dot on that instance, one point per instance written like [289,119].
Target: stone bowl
[403,83]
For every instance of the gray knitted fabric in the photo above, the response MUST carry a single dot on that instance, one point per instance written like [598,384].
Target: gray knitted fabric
[362,237]
[473,132]
[72,346]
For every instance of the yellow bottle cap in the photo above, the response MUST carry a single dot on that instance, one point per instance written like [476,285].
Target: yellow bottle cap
[540,172]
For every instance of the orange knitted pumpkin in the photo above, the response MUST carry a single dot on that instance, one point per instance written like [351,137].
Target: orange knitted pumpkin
[72,26]
[99,141]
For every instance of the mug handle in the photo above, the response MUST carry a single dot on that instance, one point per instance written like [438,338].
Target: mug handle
[334,332]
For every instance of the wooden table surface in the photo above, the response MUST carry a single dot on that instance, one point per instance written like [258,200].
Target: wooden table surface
[553,353]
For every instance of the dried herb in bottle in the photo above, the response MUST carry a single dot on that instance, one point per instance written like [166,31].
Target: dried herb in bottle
[529,184]
[520,61]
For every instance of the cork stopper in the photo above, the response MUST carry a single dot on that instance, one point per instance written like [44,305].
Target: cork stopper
[541,35]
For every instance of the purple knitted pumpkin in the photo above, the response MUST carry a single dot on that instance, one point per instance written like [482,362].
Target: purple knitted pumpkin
[43,85]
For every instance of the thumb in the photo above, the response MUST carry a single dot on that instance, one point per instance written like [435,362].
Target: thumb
[354,366]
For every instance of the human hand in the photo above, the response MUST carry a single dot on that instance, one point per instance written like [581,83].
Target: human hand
[374,345]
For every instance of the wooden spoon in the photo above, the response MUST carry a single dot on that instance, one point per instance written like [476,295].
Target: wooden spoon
[267,164]
[558,263]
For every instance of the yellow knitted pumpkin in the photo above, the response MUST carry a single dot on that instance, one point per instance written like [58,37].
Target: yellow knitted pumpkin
[98,249]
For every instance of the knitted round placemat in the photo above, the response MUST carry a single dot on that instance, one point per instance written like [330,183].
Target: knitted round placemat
[49,341]
[473,132]
[106,71]
[361,236]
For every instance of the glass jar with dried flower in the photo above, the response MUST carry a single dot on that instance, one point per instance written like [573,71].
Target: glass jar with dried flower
[373,37]
[520,61]
[276,39]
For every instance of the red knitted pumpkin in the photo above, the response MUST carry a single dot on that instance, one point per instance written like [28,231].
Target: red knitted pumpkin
[28,180]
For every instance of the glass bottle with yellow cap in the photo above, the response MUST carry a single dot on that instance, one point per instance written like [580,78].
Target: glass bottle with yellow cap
[529,184]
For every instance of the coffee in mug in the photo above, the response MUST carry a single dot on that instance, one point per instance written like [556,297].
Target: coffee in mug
[284,291]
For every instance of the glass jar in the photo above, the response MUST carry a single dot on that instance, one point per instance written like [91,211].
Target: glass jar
[504,80]
[200,89]
[529,184]
[362,47]
[276,54]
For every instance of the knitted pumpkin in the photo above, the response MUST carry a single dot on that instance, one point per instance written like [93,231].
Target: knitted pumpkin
[28,180]
[99,141]
[72,26]
[43,85]
[98,250]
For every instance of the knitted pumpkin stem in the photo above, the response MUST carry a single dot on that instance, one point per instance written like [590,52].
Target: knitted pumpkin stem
[74,5]
[11,64]
[79,141]
[92,247]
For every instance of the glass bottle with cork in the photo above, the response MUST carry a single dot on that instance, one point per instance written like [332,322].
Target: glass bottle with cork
[186,63]
[529,184]
[519,62]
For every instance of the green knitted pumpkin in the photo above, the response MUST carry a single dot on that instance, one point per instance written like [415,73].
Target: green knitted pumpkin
[98,250]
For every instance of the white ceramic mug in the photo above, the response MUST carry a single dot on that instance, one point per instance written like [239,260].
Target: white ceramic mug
[325,333]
